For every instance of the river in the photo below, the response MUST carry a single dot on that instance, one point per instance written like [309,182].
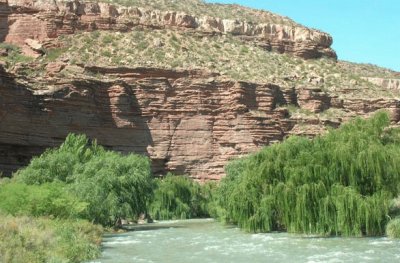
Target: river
[205,240]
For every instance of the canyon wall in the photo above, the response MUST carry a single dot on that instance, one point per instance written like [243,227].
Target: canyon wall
[187,122]
[28,19]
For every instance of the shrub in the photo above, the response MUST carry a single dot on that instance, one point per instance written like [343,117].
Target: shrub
[27,239]
[50,199]
[336,184]
[179,197]
[393,228]
[114,186]
[14,54]
[54,53]
[107,39]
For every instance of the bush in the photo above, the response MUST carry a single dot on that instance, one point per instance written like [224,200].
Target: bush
[114,186]
[393,228]
[54,53]
[337,184]
[178,197]
[27,239]
[50,199]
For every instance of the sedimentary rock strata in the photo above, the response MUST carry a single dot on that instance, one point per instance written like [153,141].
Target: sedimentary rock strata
[28,19]
[187,122]
[385,83]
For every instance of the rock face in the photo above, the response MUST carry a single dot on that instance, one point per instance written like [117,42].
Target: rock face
[187,122]
[28,19]
[390,84]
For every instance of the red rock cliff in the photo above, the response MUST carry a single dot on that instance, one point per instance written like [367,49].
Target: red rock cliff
[187,122]
[48,19]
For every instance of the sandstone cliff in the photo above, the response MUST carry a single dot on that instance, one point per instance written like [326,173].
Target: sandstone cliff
[187,122]
[23,19]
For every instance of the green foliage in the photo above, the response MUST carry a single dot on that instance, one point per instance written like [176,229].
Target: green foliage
[14,54]
[107,53]
[107,39]
[114,186]
[78,240]
[36,240]
[9,47]
[50,199]
[95,34]
[393,228]
[178,197]
[336,184]
[54,53]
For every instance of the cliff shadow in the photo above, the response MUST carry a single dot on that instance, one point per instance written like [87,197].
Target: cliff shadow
[119,121]
[249,98]
[5,11]
[17,105]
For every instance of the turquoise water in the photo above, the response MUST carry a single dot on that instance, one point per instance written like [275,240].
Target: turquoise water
[208,241]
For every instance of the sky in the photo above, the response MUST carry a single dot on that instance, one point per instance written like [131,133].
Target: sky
[363,31]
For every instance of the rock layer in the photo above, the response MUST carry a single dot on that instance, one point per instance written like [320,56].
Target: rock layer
[390,84]
[48,19]
[187,122]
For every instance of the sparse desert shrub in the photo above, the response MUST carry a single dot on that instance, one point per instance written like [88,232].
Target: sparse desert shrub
[54,53]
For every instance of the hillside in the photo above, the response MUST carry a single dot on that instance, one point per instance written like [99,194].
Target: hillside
[201,8]
[189,84]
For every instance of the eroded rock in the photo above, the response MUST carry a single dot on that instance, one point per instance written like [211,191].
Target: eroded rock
[48,19]
[187,122]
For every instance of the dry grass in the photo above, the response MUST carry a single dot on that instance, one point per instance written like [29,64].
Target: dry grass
[369,70]
[224,54]
[28,239]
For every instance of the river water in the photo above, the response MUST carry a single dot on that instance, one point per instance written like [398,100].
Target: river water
[205,240]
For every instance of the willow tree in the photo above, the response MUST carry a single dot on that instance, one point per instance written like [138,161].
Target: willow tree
[339,183]
[179,197]
[113,185]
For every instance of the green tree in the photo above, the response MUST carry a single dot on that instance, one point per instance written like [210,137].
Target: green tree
[113,185]
[336,184]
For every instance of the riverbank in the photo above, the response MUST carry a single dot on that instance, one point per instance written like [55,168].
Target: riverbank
[30,239]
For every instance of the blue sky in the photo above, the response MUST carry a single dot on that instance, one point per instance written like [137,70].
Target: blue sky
[364,31]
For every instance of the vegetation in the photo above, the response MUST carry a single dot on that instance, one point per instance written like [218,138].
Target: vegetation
[368,70]
[179,197]
[201,8]
[337,184]
[167,49]
[113,186]
[393,228]
[42,207]
[14,55]
[37,240]
[50,199]
[341,183]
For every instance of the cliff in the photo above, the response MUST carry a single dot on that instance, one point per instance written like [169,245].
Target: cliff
[50,19]
[187,122]
[189,91]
